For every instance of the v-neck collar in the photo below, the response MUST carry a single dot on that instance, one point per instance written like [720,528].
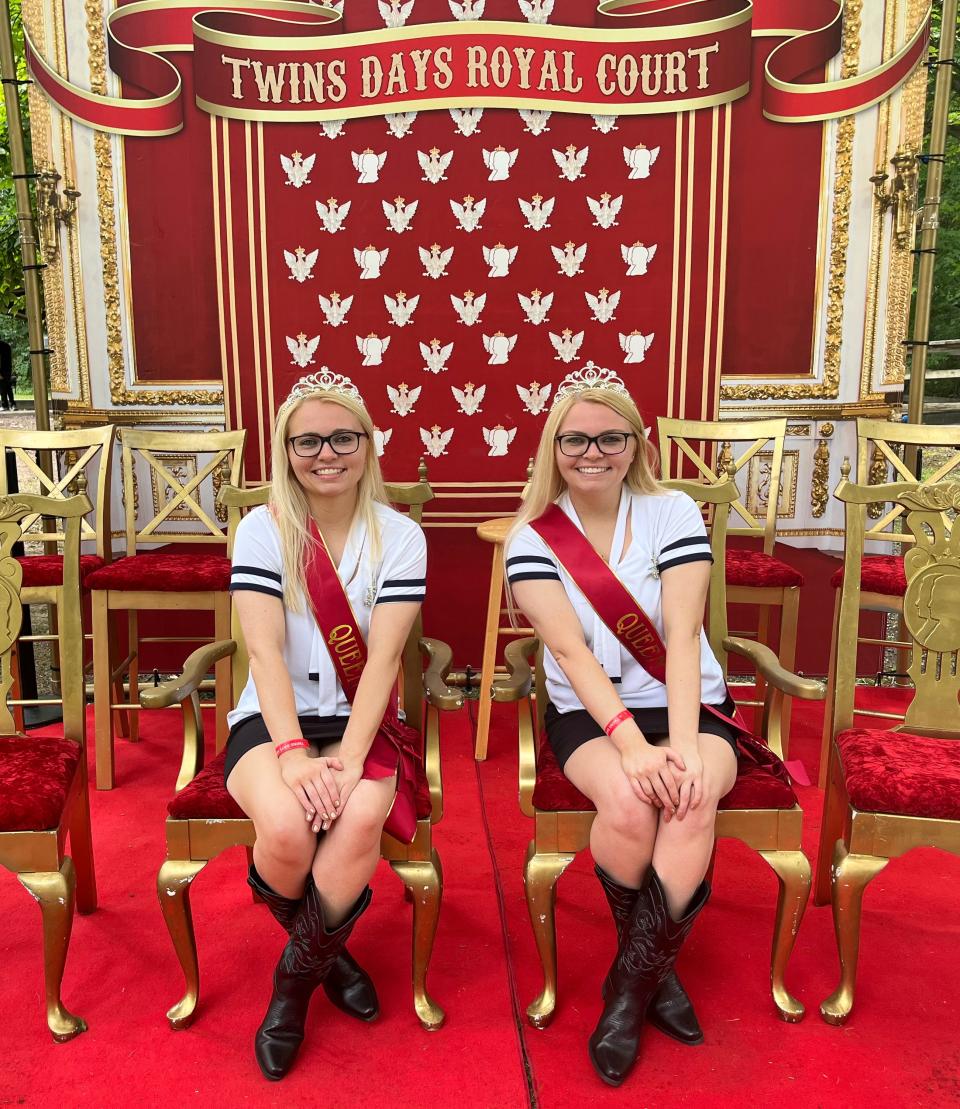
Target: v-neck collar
[617,554]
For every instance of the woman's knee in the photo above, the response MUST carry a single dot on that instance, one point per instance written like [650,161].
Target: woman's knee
[626,815]
[287,838]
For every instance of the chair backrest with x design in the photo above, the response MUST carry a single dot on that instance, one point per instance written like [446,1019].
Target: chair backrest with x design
[689,449]
[183,472]
[80,463]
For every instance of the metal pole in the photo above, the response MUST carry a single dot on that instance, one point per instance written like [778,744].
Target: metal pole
[930,221]
[28,240]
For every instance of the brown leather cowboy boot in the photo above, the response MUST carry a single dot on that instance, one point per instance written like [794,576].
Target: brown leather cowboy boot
[348,986]
[305,963]
[649,945]
[671,1010]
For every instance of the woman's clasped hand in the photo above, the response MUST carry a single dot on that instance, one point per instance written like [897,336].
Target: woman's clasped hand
[321,784]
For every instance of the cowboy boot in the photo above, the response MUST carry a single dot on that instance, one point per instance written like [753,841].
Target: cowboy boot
[348,986]
[671,1011]
[305,963]
[649,945]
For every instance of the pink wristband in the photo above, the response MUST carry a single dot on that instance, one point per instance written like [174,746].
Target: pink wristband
[615,721]
[290,745]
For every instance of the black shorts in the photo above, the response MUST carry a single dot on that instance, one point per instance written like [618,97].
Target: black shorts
[566,731]
[252,731]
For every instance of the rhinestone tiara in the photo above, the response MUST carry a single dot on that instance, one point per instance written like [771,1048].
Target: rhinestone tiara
[326,381]
[590,376]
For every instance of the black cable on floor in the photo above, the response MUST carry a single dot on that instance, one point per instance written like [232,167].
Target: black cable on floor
[518,1020]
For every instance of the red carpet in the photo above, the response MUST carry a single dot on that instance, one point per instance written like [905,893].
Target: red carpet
[900,1046]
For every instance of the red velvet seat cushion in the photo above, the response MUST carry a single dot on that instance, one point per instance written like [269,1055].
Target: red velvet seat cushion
[754,788]
[878,574]
[758,569]
[48,569]
[896,772]
[206,797]
[35,775]
[174,573]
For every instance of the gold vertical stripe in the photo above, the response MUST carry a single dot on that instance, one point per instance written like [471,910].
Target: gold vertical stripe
[724,213]
[675,298]
[265,285]
[688,260]
[218,255]
[231,284]
[711,261]
[252,265]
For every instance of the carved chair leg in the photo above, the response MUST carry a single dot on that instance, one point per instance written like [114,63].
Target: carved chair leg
[173,889]
[851,875]
[831,830]
[540,876]
[792,869]
[133,674]
[81,846]
[424,879]
[54,892]
[103,659]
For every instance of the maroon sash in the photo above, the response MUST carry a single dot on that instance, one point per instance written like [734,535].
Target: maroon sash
[634,629]
[396,746]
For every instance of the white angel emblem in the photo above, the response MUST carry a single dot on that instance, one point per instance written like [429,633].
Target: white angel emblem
[302,349]
[435,440]
[332,214]
[571,161]
[368,165]
[635,345]
[499,346]
[498,439]
[639,160]
[499,258]
[499,161]
[300,263]
[297,168]
[373,348]
[637,257]
[380,439]
[370,260]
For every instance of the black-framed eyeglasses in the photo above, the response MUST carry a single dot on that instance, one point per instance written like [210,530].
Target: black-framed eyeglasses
[341,442]
[574,444]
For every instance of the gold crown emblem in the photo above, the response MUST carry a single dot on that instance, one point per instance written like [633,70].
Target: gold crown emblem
[590,377]
[325,381]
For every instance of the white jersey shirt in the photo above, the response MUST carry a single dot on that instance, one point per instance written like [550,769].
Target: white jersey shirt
[667,530]
[398,575]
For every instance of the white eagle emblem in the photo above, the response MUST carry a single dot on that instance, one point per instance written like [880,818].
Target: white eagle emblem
[333,128]
[435,356]
[470,307]
[434,164]
[401,310]
[469,9]
[302,349]
[604,304]
[605,124]
[637,257]
[395,13]
[499,346]
[399,213]
[571,161]
[370,260]
[536,11]
[297,168]
[499,161]
[469,213]
[499,258]
[373,348]
[334,309]
[333,214]
[605,210]
[467,120]
[536,305]
[301,263]
[566,344]
[435,260]
[368,165]
[435,440]
[537,211]
[403,398]
[469,398]
[498,439]
[400,124]
[639,160]
[535,398]
[635,345]
[380,439]
[535,120]
[569,258]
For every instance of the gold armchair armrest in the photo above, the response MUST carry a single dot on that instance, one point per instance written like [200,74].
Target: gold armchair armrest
[519,680]
[808,689]
[195,669]
[439,664]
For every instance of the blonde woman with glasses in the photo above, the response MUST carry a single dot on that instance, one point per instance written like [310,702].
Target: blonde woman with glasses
[612,570]
[327,580]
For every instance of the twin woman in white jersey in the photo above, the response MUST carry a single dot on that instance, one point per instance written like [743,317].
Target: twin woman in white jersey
[310,758]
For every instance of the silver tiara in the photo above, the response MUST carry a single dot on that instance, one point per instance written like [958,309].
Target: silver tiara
[326,381]
[590,377]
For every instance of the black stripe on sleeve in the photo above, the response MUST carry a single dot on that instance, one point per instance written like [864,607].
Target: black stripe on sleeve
[249,587]
[671,562]
[403,581]
[684,543]
[415,598]
[256,571]
[534,575]
[531,558]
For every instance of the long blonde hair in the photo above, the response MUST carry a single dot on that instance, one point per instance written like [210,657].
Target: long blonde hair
[288,501]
